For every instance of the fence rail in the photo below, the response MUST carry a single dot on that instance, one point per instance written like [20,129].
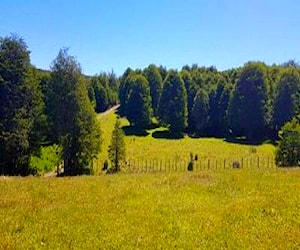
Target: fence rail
[202,163]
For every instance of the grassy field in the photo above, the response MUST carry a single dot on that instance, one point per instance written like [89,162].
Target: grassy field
[229,209]
[141,148]
[248,208]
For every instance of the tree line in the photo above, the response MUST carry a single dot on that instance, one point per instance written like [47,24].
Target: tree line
[54,112]
[252,102]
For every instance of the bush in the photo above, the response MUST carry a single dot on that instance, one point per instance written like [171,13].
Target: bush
[288,150]
[46,159]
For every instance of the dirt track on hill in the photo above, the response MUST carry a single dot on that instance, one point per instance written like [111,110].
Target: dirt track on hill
[113,108]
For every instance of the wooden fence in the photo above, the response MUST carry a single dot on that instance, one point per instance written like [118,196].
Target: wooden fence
[202,163]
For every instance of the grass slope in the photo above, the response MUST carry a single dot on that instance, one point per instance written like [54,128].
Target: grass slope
[232,209]
[141,148]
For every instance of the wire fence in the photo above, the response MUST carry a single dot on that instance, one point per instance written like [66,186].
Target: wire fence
[202,163]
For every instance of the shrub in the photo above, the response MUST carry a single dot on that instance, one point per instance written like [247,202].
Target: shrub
[288,150]
[46,159]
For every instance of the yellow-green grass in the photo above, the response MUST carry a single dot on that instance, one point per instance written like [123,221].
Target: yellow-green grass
[142,148]
[232,209]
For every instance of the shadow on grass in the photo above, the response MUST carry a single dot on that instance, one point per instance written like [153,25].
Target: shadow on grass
[244,141]
[166,134]
[131,130]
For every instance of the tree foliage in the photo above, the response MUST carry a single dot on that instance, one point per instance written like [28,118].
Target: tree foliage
[123,91]
[173,103]
[288,150]
[200,111]
[155,82]
[138,105]
[72,115]
[191,89]
[287,100]
[247,112]
[21,107]
[117,150]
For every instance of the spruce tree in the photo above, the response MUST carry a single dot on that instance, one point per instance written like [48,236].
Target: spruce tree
[286,104]
[155,82]
[248,105]
[72,115]
[191,89]
[21,107]
[117,150]
[172,109]
[138,107]
[200,111]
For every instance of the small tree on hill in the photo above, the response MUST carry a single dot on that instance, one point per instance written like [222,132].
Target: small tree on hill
[288,151]
[116,151]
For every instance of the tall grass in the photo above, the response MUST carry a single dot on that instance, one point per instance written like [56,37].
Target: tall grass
[232,209]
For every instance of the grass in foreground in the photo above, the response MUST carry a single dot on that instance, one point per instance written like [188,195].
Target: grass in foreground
[232,209]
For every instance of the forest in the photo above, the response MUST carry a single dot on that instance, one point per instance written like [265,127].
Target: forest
[55,111]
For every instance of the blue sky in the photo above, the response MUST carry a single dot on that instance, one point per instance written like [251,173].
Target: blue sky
[116,34]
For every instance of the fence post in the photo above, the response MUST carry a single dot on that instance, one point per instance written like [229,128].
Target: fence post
[224,163]
[258,161]
[208,163]
[242,162]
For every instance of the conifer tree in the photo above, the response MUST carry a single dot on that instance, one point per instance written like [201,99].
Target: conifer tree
[138,107]
[117,151]
[72,115]
[248,105]
[21,107]
[173,104]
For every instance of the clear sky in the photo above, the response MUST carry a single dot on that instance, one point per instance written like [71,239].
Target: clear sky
[116,34]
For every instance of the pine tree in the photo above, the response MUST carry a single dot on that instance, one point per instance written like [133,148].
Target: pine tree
[155,82]
[191,89]
[72,115]
[200,111]
[116,151]
[173,104]
[138,107]
[286,104]
[248,105]
[21,107]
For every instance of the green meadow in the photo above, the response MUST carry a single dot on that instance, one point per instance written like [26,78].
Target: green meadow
[152,148]
[247,208]
[223,209]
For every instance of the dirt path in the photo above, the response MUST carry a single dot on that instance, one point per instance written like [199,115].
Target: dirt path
[112,109]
